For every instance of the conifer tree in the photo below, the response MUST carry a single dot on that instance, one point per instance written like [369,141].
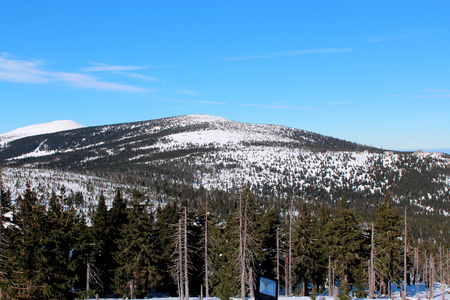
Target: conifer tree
[164,230]
[136,252]
[223,280]
[388,237]
[24,253]
[306,257]
[103,260]
[265,232]
[61,249]
[347,247]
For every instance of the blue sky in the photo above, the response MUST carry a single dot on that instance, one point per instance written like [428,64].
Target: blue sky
[373,72]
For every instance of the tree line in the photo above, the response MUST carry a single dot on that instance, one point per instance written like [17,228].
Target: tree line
[139,248]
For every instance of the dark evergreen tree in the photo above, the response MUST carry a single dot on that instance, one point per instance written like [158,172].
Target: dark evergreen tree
[265,231]
[347,247]
[103,260]
[136,256]
[61,248]
[224,281]
[307,258]
[166,219]
[23,255]
[389,245]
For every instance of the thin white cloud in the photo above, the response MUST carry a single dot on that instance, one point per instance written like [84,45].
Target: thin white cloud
[106,68]
[187,92]
[279,106]
[210,102]
[437,91]
[412,96]
[122,70]
[435,94]
[340,103]
[387,38]
[15,70]
[291,53]
[140,76]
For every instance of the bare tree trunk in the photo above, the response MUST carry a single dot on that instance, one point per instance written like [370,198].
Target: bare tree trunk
[289,283]
[241,250]
[330,279]
[185,258]
[441,269]
[335,289]
[250,283]
[277,261]
[286,275]
[448,266]
[242,247]
[88,274]
[432,275]
[206,250]
[416,262]
[405,260]
[371,265]
[180,281]
[425,272]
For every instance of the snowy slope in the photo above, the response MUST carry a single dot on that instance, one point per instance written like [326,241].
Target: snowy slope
[217,153]
[37,129]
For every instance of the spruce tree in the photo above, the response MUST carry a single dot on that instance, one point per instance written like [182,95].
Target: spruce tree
[136,255]
[265,233]
[103,260]
[306,257]
[61,248]
[224,282]
[164,230]
[347,247]
[23,255]
[389,245]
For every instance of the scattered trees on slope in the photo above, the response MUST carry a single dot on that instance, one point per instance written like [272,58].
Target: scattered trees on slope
[132,247]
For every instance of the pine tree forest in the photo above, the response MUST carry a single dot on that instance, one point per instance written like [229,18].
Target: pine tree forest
[205,243]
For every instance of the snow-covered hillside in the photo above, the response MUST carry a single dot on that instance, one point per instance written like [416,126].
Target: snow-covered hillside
[217,153]
[37,129]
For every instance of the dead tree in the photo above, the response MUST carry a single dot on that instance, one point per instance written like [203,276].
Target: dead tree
[432,276]
[372,265]
[181,261]
[206,248]
[246,241]
[405,260]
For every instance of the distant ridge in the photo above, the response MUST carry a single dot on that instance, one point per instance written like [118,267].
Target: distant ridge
[435,150]
[37,129]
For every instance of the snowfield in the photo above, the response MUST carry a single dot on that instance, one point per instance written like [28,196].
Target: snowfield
[440,292]
[38,129]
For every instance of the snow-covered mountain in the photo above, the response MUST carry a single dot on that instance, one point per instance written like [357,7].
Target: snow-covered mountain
[216,153]
[37,129]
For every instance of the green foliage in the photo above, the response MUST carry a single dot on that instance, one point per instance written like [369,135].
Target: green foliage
[49,246]
[308,261]
[347,244]
[43,250]
[224,277]
[136,252]
[164,244]
[388,238]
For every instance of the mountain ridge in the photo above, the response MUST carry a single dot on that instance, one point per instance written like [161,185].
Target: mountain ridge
[215,153]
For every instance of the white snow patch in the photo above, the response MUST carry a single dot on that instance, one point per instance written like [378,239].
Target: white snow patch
[38,129]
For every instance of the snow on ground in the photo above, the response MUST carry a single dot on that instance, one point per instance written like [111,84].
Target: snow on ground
[438,292]
[37,129]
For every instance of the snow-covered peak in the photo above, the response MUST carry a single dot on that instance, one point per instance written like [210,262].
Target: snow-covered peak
[37,129]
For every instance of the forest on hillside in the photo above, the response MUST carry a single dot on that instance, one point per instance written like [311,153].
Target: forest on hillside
[204,243]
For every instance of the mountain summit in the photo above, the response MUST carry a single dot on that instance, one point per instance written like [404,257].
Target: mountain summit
[37,129]
[216,153]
